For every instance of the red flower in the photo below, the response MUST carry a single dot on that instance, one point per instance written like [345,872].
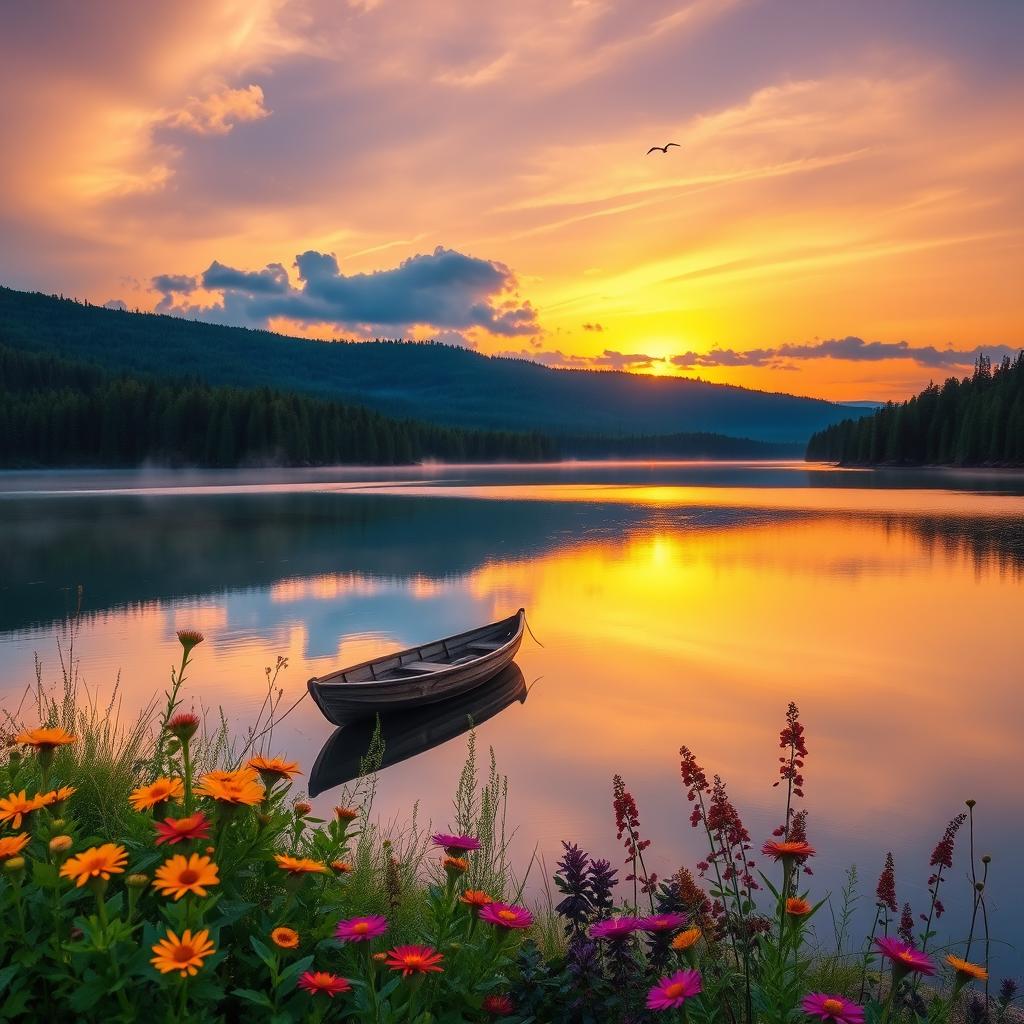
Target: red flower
[177,830]
[323,981]
[414,960]
[184,726]
[499,1006]
[886,891]
[784,851]
[627,823]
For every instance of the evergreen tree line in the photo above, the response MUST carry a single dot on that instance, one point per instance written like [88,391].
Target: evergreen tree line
[971,422]
[55,412]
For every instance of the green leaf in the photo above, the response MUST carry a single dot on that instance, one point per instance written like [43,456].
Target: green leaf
[252,996]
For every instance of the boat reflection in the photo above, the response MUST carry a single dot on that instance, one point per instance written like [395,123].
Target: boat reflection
[408,733]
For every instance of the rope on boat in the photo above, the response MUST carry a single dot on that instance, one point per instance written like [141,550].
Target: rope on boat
[526,622]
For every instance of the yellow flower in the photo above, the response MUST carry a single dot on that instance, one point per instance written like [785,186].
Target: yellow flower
[157,792]
[273,768]
[11,846]
[286,938]
[184,955]
[966,971]
[96,862]
[299,865]
[17,806]
[684,940]
[43,739]
[179,875]
[239,788]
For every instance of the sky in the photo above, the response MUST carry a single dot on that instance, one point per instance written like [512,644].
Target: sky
[842,217]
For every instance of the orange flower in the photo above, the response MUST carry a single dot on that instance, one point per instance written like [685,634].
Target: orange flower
[11,846]
[323,981]
[414,960]
[342,867]
[238,788]
[686,939]
[179,875]
[299,865]
[456,865]
[157,792]
[797,907]
[346,813]
[965,970]
[17,806]
[286,938]
[273,768]
[184,955]
[57,796]
[787,850]
[96,862]
[476,898]
[43,739]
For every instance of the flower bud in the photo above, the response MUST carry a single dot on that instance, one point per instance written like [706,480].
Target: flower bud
[970,803]
[61,844]
[137,881]
[189,638]
[987,859]
[346,813]
[14,865]
[301,808]
[58,823]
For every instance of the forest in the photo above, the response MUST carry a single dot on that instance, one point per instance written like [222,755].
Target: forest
[57,412]
[976,421]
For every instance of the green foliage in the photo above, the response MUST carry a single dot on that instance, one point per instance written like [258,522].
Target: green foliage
[971,422]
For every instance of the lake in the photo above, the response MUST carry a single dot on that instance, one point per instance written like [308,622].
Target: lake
[676,603]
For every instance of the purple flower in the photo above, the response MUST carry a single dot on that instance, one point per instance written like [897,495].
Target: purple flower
[454,845]
[672,992]
[615,928]
[832,1009]
[663,923]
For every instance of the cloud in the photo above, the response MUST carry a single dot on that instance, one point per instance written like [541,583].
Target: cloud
[445,289]
[115,304]
[849,348]
[625,360]
[593,327]
[220,111]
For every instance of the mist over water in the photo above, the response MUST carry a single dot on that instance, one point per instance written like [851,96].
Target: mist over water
[677,603]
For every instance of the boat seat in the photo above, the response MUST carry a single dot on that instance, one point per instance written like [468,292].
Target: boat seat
[426,666]
[483,645]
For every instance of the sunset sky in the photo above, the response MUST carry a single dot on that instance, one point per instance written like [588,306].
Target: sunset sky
[844,209]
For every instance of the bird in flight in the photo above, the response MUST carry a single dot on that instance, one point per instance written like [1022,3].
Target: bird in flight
[663,149]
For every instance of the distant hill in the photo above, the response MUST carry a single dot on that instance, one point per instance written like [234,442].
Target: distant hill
[429,382]
[976,421]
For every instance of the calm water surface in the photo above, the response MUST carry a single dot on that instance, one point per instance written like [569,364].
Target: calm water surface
[677,603]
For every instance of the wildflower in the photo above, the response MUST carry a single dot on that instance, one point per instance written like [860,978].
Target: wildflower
[346,814]
[179,875]
[965,970]
[904,957]
[504,915]
[797,907]
[299,865]
[286,938]
[1007,992]
[787,850]
[615,928]
[498,1005]
[189,638]
[323,981]
[696,782]
[302,808]
[454,845]
[603,878]
[627,823]
[834,1009]
[56,797]
[361,929]
[886,889]
[96,862]
[672,992]
[11,846]
[45,739]
[238,788]
[792,737]
[185,955]
[662,923]
[16,807]
[685,939]
[942,855]
[341,867]
[414,960]
[272,769]
[177,830]
[61,844]
[455,865]
[733,840]
[476,898]
[157,792]
[906,926]
[184,726]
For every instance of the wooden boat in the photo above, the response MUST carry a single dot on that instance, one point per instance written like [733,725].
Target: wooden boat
[420,675]
[408,733]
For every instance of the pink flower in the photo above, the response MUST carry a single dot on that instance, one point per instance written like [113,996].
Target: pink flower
[905,957]
[672,992]
[498,1005]
[835,1009]
[615,928]
[663,923]
[505,916]
[361,929]
[458,844]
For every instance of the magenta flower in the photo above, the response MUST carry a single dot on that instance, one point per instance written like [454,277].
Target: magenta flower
[905,957]
[615,928]
[672,992]
[505,916]
[361,929]
[834,1009]
[454,845]
[663,923]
